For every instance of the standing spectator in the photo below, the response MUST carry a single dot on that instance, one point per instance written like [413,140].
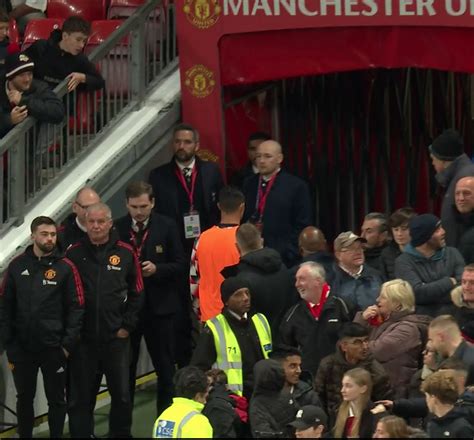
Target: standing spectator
[450,163]
[310,422]
[464,215]
[250,169]
[432,268]
[445,337]
[352,351]
[42,305]
[214,250]
[22,96]
[184,418]
[463,303]
[4,40]
[354,281]
[268,276]
[448,421]
[269,413]
[277,202]
[73,228]
[24,11]
[313,323]
[155,239]
[113,287]
[398,223]
[186,189]
[375,231]
[396,333]
[235,340]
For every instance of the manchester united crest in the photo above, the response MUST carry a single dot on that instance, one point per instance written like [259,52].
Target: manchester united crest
[200,81]
[114,260]
[50,274]
[202,13]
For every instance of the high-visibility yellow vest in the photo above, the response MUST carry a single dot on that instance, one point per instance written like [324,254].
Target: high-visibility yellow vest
[229,357]
[183,419]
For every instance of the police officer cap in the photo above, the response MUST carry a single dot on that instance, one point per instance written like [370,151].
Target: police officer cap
[230,285]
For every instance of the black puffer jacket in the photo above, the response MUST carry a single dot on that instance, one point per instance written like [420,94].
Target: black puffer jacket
[269,413]
[454,424]
[389,254]
[69,232]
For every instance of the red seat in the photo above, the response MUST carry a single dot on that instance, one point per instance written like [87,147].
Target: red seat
[40,30]
[13,33]
[88,9]
[125,8]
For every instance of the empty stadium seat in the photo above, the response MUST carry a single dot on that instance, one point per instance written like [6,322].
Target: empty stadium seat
[40,30]
[125,8]
[87,9]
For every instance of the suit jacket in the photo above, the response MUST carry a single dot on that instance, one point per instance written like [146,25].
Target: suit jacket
[287,212]
[166,184]
[164,249]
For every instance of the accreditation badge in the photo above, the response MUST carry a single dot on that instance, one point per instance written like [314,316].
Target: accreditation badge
[192,225]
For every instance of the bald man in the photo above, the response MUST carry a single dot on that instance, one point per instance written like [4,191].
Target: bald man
[277,202]
[73,228]
[464,207]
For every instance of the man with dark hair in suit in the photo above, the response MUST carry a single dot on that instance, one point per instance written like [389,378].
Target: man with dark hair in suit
[186,190]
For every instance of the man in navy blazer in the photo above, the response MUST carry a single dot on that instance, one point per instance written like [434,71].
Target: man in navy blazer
[277,202]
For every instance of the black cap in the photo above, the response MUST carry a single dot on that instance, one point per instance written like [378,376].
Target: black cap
[447,146]
[422,227]
[230,285]
[309,416]
[17,63]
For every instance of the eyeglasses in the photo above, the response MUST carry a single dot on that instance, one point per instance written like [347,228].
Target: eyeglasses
[353,251]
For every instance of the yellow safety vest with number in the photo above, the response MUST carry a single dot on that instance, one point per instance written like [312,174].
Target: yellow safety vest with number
[229,357]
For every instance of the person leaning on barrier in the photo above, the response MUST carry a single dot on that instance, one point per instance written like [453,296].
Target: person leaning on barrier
[183,419]
[234,340]
[22,96]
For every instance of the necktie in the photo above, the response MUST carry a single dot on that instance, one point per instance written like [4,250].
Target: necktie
[140,226]
[139,237]
[187,172]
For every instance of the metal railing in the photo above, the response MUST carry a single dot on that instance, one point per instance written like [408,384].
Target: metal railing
[132,59]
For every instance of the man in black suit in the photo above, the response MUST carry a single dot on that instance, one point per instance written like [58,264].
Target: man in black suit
[277,202]
[155,239]
[186,190]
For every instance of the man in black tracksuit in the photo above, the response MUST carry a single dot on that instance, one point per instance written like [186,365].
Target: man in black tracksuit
[113,289]
[42,306]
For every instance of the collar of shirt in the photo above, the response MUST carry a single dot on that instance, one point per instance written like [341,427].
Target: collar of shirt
[182,167]
[82,228]
[239,318]
[267,178]
[353,274]
[134,224]
[254,169]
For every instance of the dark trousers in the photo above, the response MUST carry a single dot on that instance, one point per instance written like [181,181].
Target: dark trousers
[25,372]
[113,359]
[159,337]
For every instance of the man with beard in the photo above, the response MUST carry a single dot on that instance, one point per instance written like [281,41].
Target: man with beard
[42,305]
[432,268]
[186,190]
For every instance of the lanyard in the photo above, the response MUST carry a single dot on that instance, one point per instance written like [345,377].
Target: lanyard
[262,198]
[133,238]
[190,193]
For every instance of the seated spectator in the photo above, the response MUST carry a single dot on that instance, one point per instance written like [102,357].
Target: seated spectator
[185,414]
[464,217]
[432,268]
[269,414]
[310,422]
[398,223]
[391,427]
[463,303]
[61,57]
[397,336]
[264,269]
[313,323]
[448,420]
[445,337]
[22,96]
[24,11]
[352,351]
[357,415]
[354,281]
[296,391]
[375,231]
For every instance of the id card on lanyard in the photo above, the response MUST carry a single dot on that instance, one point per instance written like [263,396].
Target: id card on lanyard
[138,248]
[192,223]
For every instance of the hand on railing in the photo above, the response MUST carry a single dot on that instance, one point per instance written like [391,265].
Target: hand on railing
[75,78]
[19,114]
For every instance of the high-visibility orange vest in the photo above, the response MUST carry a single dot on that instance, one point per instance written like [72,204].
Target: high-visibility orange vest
[216,250]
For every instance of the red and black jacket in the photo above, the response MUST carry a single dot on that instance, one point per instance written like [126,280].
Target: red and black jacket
[42,304]
[113,287]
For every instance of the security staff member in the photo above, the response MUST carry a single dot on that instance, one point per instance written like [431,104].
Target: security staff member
[183,419]
[42,305]
[113,289]
[156,241]
[234,341]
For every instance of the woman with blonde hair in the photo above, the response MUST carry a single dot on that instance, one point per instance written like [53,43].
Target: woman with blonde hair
[397,335]
[391,427]
[357,415]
